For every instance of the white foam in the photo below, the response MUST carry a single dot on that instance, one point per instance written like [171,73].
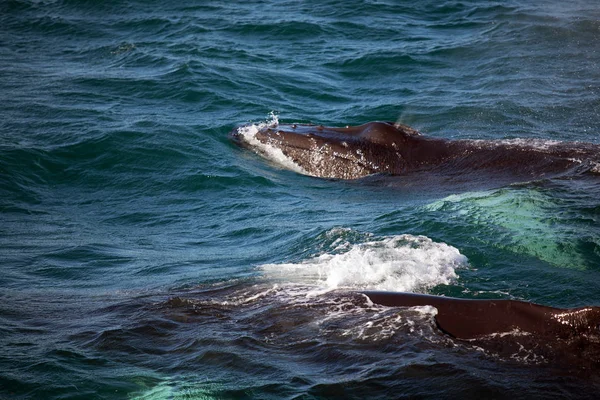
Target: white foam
[397,263]
[248,134]
[375,322]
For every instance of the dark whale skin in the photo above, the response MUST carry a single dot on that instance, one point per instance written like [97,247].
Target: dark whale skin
[472,319]
[386,148]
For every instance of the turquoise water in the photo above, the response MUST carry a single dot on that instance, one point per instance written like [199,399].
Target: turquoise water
[144,255]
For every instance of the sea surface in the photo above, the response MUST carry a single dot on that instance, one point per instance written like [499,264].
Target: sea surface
[143,255]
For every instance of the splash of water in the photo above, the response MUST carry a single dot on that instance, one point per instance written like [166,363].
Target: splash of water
[399,263]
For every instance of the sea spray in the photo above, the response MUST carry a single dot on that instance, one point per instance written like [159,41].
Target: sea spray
[399,263]
[247,134]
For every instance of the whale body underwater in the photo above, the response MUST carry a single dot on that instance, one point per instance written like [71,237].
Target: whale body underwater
[355,152]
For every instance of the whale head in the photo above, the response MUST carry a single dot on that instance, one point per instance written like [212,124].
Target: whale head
[343,153]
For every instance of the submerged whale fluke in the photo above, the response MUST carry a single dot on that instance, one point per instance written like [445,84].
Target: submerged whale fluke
[354,152]
[473,319]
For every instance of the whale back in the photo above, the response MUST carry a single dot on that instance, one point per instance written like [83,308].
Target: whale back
[472,319]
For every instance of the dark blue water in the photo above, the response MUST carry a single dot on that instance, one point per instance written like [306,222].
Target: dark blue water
[143,255]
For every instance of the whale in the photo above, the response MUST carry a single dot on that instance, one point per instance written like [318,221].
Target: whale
[470,319]
[393,149]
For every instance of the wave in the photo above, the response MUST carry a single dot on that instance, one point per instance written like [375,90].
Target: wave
[399,262]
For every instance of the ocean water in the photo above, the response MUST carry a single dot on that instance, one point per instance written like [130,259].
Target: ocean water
[145,256]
